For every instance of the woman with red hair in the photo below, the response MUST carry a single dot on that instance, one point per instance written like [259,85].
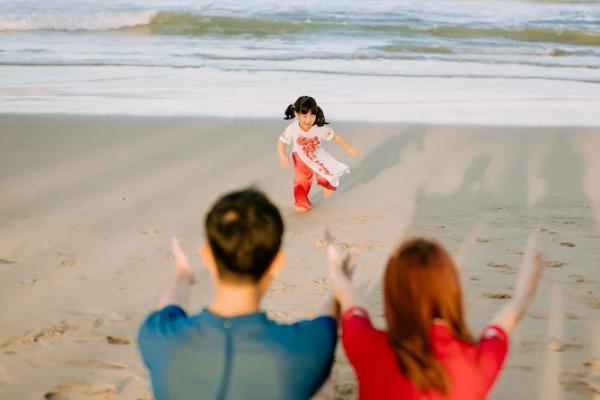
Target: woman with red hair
[427,351]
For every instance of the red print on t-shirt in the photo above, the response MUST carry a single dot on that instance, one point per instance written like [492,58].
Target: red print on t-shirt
[310,146]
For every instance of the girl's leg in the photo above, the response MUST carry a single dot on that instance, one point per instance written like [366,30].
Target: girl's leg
[328,189]
[302,182]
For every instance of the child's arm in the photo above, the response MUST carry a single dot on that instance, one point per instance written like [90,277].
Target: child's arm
[283,158]
[345,145]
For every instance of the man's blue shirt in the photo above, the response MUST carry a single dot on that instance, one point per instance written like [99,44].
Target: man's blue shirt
[245,357]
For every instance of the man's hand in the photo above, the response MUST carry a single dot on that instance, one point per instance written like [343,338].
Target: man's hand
[178,291]
[183,268]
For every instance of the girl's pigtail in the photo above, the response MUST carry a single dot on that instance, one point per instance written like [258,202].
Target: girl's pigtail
[289,112]
[320,117]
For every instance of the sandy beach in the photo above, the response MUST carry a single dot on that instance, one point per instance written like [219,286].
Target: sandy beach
[88,206]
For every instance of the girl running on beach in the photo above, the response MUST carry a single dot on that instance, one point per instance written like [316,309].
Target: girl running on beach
[305,135]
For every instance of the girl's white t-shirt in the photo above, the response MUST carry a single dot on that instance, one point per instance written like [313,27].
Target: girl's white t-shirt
[307,145]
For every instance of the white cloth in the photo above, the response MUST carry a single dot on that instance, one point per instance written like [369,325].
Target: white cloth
[307,145]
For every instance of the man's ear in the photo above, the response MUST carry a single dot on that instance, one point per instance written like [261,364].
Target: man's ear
[208,258]
[276,264]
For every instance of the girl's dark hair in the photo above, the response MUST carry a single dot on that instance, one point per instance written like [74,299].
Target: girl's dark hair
[305,105]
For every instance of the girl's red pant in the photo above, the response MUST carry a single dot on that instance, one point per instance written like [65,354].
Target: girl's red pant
[303,175]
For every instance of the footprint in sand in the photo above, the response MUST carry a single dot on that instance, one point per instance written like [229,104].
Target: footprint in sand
[562,346]
[497,295]
[592,367]
[579,383]
[346,390]
[151,231]
[117,340]
[7,261]
[67,390]
[361,218]
[138,259]
[548,231]
[67,262]
[483,240]
[555,264]
[320,285]
[567,244]
[581,387]
[320,281]
[579,278]
[502,268]
[282,287]
[114,316]
[67,259]
[538,316]
[530,345]
[38,335]
[592,301]
[95,364]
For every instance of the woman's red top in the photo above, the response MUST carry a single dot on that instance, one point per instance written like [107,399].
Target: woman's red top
[472,368]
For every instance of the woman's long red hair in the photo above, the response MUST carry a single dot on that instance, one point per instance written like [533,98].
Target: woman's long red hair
[421,284]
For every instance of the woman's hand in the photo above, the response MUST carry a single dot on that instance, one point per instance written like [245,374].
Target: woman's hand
[341,269]
[338,268]
[527,283]
[529,278]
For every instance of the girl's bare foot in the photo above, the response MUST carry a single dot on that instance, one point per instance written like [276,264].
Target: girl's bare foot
[301,209]
[327,193]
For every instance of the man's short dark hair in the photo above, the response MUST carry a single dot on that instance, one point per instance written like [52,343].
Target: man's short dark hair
[244,231]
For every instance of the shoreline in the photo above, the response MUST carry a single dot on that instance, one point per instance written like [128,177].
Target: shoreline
[189,92]
[267,119]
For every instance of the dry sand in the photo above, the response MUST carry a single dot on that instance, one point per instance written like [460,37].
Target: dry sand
[88,205]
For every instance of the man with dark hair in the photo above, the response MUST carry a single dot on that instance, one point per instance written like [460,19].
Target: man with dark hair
[232,350]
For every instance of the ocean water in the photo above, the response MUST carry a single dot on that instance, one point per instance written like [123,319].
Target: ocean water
[497,62]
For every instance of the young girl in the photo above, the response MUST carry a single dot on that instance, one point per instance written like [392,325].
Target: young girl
[427,351]
[305,136]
